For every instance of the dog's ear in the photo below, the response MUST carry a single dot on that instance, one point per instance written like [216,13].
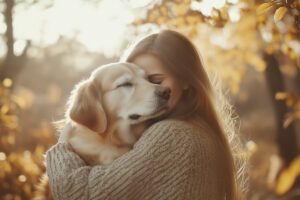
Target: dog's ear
[85,107]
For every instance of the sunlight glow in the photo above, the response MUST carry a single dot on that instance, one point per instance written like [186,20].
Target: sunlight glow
[100,27]
[2,156]
[206,6]
[221,38]
[234,14]
[19,46]
[2,28]
[266,34]
[138,3]
[233,1]
[22,178]
[7,82]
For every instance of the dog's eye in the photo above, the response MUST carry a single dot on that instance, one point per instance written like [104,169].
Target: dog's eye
[127,84]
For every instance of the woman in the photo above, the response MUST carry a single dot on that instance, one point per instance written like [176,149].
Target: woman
[185,157]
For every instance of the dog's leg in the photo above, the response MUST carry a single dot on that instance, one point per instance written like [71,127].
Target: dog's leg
[95,152]
[91,148]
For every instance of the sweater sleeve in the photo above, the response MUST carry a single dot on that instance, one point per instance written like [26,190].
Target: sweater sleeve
[156,168]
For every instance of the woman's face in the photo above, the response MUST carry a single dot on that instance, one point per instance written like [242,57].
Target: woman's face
[158,74]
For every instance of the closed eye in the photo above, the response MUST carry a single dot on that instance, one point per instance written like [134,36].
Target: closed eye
[156,78]
[126,84]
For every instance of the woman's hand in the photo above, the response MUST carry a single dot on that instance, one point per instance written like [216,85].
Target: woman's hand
[65,134]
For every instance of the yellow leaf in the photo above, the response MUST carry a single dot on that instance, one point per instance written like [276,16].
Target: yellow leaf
[27,189]
[161,20]
[179,21]
[180,9]
[289,37]
[284,183]
[290,117]
[281,95]
[287,177]
[153,15]
[11,139]
[193,19]
[256,61]
[163,10]
[279,13]
[6,167]
[39,150]
[4,109]
[293,55]
[7,82]
[290,101]
[193,32]
[24,98]
[297,114]
[264,8]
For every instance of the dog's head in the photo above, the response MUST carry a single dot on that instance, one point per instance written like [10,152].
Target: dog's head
[118,91]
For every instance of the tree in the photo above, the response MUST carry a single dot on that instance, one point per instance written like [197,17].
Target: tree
[12,64]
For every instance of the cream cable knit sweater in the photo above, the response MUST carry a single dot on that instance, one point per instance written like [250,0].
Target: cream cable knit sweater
[171,160]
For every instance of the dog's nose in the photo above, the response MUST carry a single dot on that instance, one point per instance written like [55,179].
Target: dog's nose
[164,93]
[134,116]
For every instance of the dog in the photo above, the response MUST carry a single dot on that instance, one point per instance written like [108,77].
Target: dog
[109,111]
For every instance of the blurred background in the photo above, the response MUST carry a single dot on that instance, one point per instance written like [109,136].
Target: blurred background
[48,46]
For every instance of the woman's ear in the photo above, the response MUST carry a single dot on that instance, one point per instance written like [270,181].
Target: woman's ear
[85,107]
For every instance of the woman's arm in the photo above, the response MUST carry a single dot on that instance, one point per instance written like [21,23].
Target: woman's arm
[156,168]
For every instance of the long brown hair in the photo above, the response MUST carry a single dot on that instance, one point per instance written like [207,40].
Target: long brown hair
[180,56]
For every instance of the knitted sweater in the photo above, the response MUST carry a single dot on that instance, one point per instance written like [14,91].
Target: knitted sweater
[171,160]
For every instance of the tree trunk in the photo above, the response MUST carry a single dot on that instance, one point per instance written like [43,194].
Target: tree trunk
[286,138]
[9,31]
[9,35]
[12,65]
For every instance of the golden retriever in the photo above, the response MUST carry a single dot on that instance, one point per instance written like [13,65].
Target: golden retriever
[109,111]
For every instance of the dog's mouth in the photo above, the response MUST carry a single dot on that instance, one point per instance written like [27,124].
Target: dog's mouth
[138,118]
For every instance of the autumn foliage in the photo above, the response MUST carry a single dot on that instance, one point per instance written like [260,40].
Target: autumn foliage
[253,46]
[21,151]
